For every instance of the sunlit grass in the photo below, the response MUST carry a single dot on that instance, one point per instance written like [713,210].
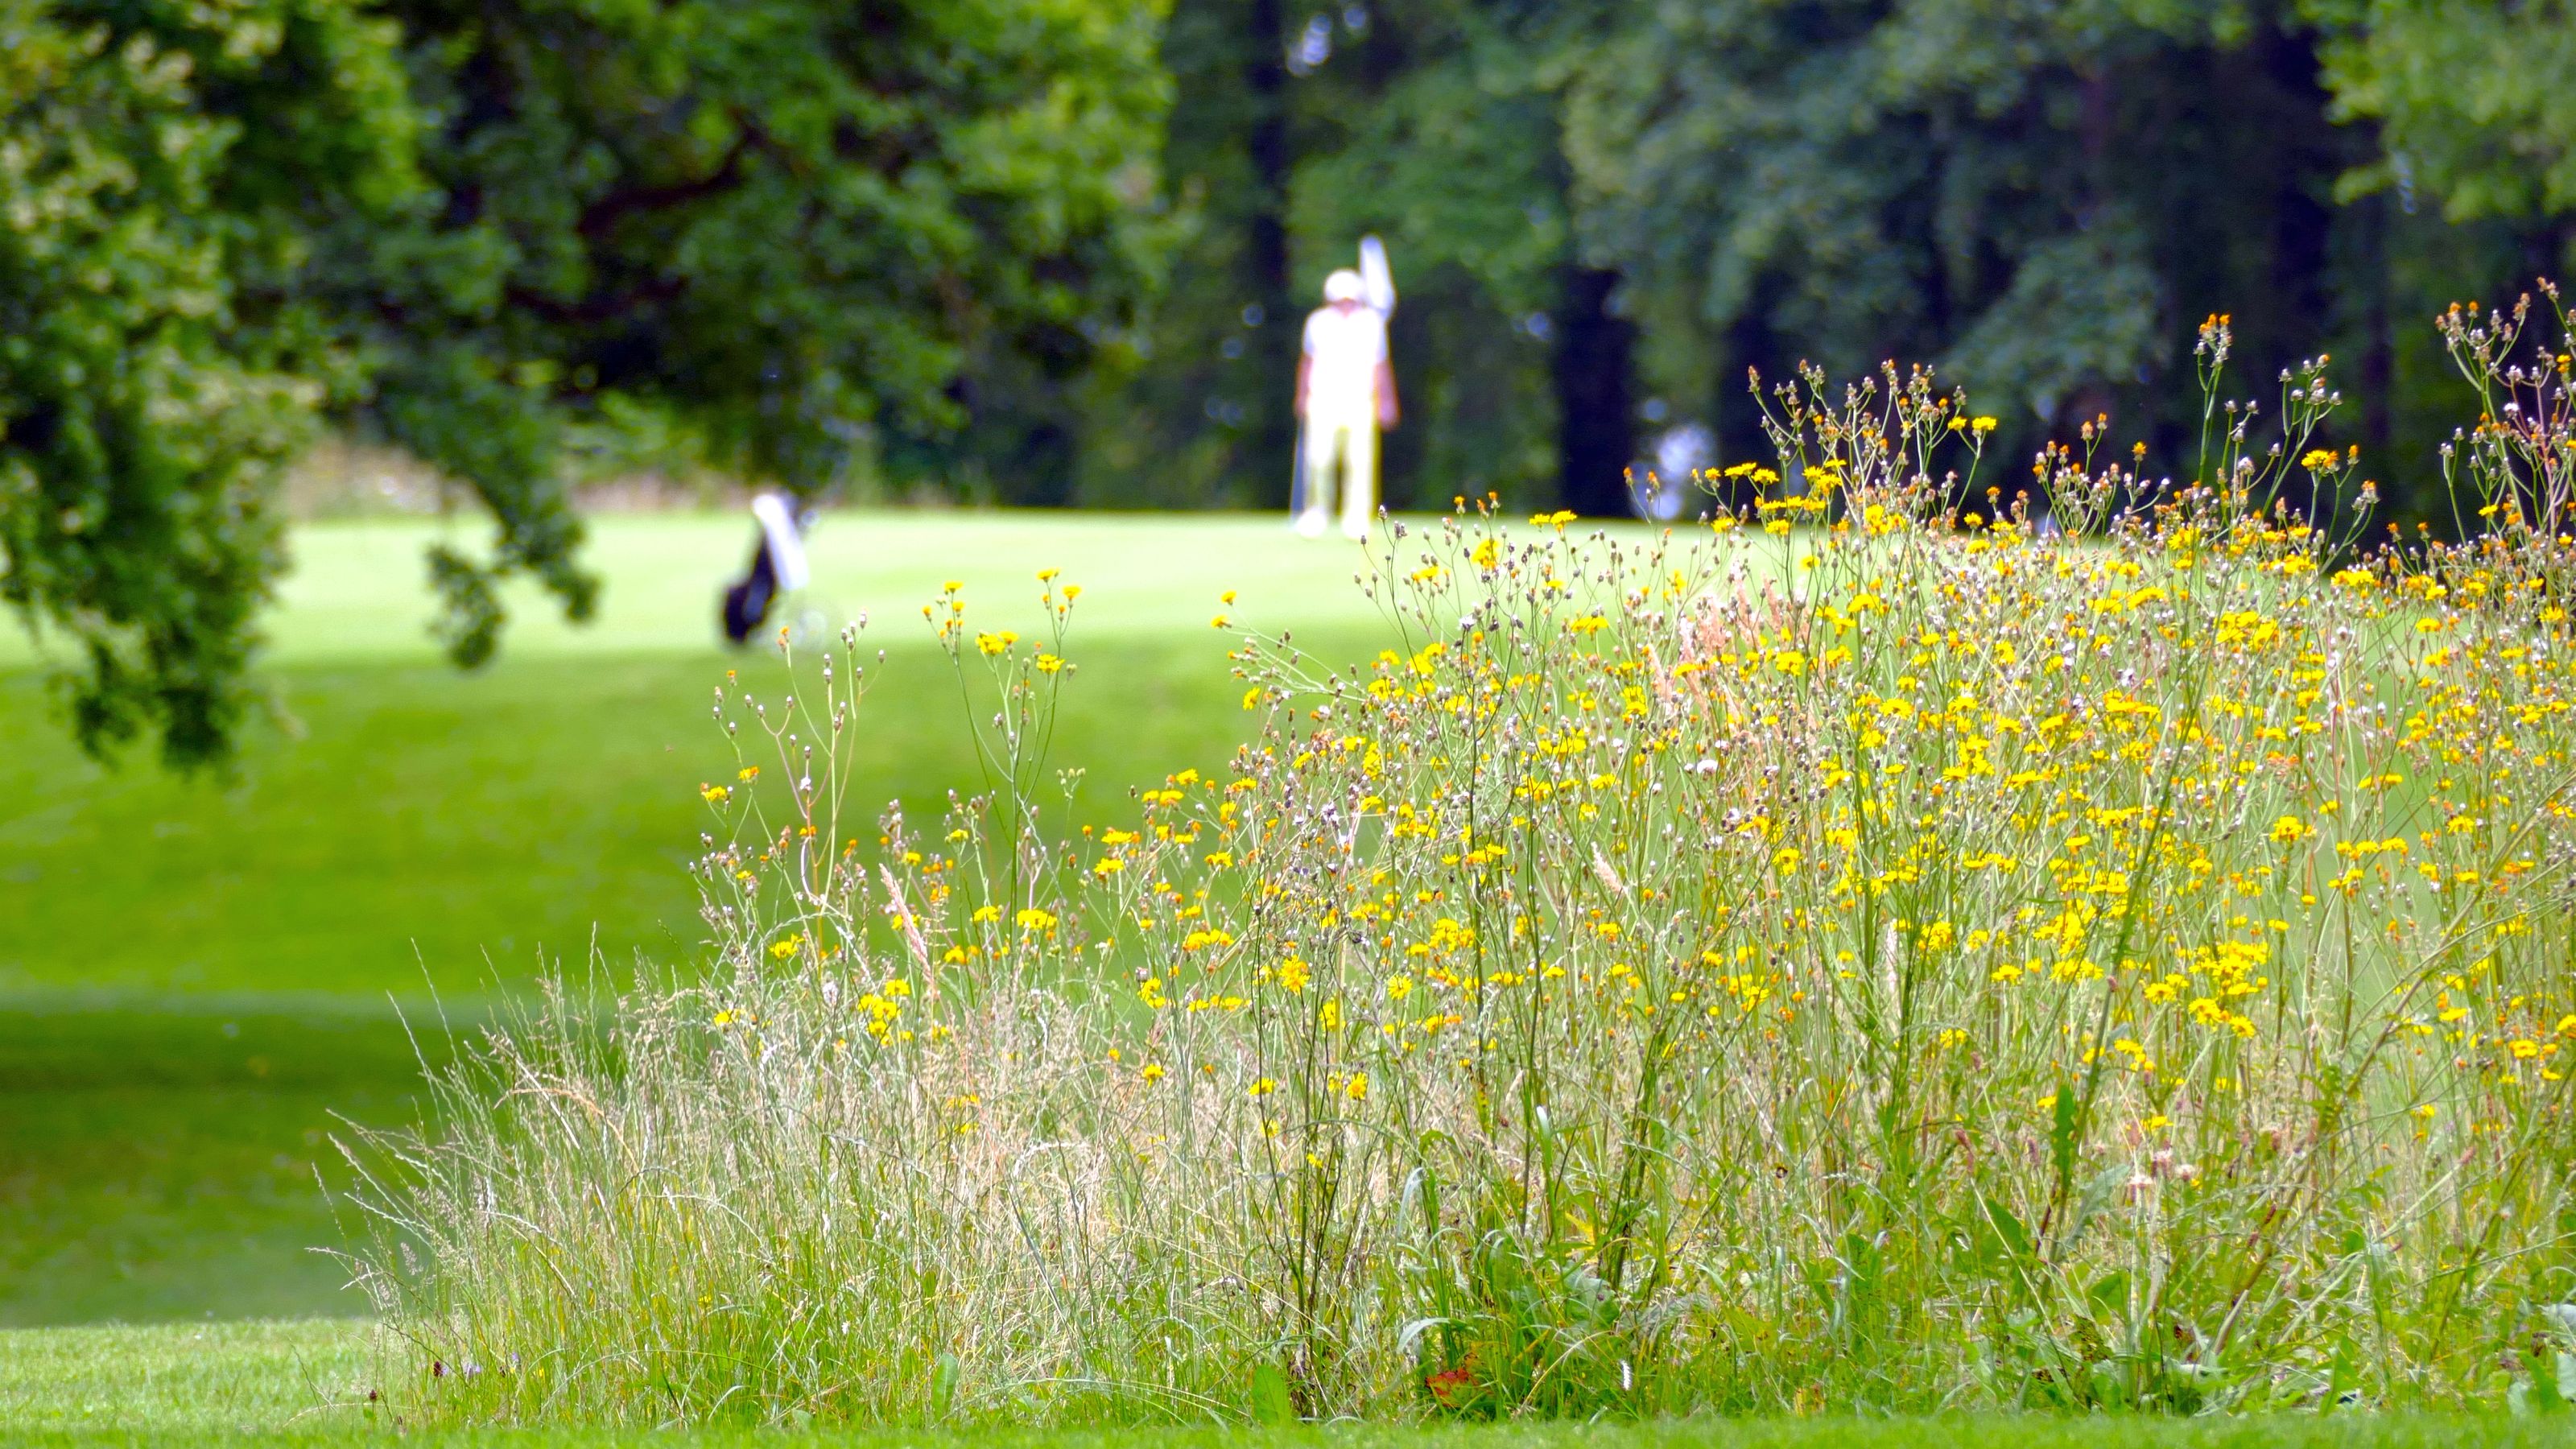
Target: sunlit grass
[408,828]
[305,1382]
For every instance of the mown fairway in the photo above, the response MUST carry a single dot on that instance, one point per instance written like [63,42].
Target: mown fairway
[401,821]
[195,974]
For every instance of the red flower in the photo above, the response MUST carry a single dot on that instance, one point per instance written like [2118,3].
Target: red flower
[1448,1384]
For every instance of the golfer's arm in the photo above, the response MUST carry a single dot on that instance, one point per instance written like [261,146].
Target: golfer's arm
[1387,409]
[1305,364]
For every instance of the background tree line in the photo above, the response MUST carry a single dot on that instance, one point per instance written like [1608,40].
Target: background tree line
[1603,214]
[1055,251]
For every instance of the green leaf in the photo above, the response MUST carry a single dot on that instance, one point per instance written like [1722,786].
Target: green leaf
[2063,1134]
[1271,1402]
[944,1374]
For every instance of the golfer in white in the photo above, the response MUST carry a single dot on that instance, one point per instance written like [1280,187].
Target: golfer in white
[1345,393]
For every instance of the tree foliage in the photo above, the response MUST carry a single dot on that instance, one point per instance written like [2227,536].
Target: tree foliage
[2045,199]
[790,229]
[797,226]
[1438,128]
[1055,251]
[2041,197]
[2471,99]
[150,384]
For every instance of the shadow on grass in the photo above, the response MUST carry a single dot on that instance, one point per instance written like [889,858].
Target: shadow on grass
[165,1163]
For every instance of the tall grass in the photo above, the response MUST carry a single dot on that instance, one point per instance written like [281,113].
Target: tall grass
[1884,949]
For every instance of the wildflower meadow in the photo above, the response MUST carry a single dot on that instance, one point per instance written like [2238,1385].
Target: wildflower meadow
[1929,936]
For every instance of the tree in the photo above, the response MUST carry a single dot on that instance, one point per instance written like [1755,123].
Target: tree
[151,380]
[1926,179]
[2042,198]
[2471,99]
[1605,211]
[1450,137]
[1432,128]
[801,228]
[796,231]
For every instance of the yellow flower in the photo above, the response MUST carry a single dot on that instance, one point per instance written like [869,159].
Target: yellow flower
[1983,425]
[1048,664]
[1153,1072]
[714,794]
[1293,974]
[1487,554]
[996,643]
[1262,1088]
[2290,830]
[1357,1088]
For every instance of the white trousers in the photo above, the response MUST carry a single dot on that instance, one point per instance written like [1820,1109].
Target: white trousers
[1347,440]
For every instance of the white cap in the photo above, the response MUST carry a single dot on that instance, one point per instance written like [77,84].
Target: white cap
[1344,286]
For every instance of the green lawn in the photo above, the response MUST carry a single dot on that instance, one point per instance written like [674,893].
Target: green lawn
[196,975]
[160,1162]
[307,1381]
[406,827]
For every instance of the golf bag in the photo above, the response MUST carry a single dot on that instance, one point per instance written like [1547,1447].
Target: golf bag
[777,566]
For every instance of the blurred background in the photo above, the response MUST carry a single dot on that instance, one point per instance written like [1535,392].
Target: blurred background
[380,382]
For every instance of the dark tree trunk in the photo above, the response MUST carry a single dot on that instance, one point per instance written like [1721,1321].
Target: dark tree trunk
[2302,212]
[1274,341]
[2544,249]
[1596,435]
[1751,346]
[2297,301]
[2379,347]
